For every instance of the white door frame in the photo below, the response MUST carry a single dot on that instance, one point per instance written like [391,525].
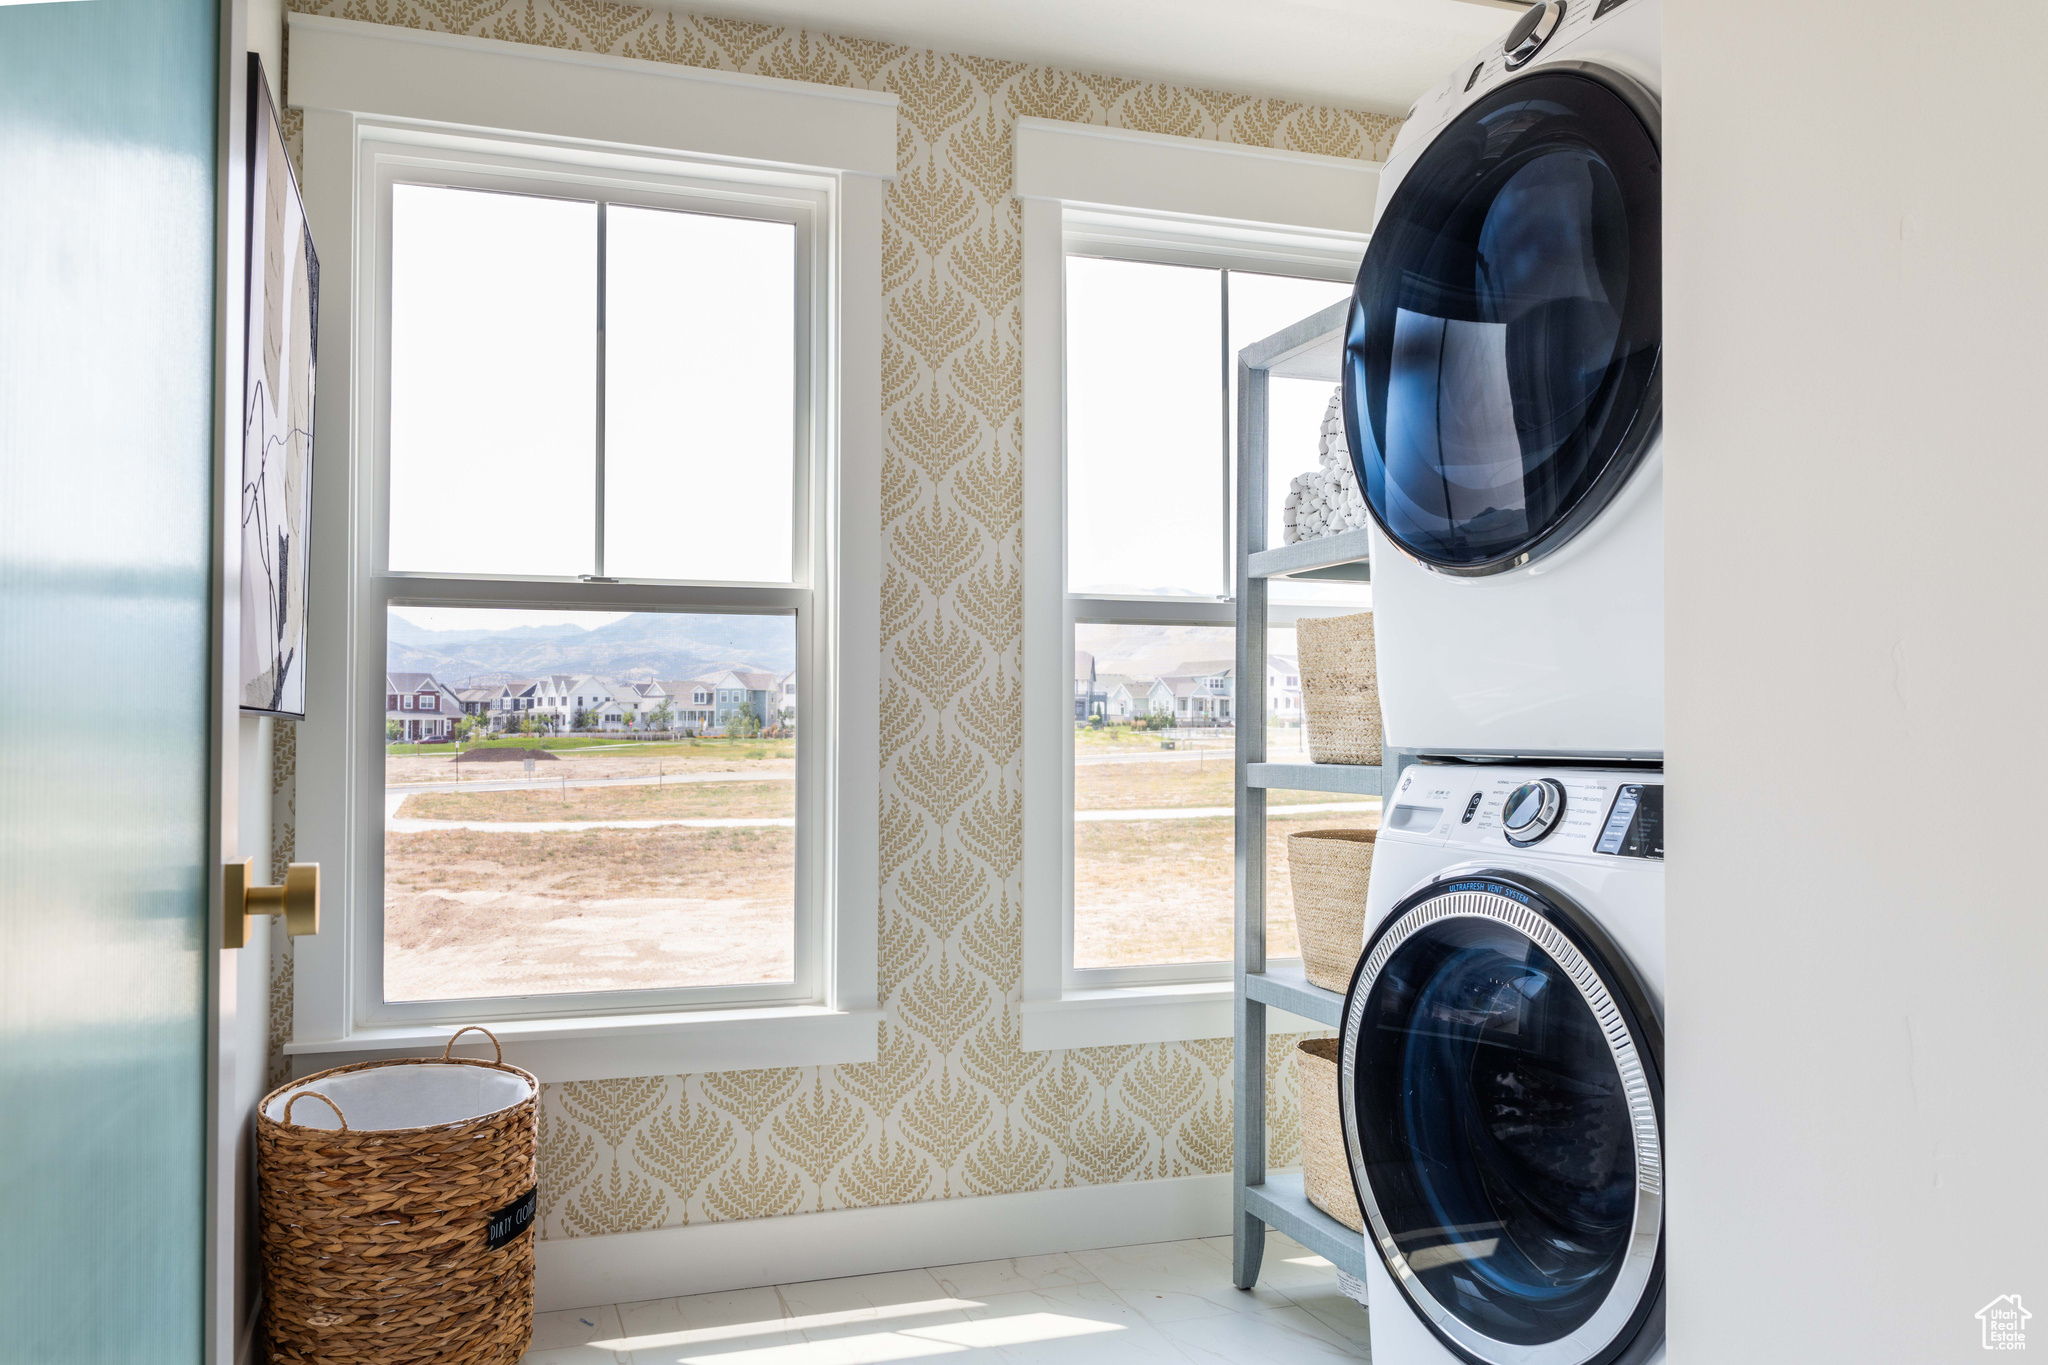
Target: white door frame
[234,1067]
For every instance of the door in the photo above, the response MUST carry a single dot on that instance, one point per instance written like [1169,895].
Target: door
[107,248]
[1501,374]
[1502,1099]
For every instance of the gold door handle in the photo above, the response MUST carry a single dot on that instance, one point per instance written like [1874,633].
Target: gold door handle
[298,900]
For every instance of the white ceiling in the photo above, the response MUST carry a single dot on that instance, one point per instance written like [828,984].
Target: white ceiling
[1358,54]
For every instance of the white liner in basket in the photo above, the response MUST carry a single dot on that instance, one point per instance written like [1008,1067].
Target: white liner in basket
[421,1095]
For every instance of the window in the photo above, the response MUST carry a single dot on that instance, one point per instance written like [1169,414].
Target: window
[1132,319]
[583,378]
[1151,508]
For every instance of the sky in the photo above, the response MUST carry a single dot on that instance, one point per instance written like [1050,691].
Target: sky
[498,618]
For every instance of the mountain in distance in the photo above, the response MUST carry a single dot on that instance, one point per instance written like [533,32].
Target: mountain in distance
[1155,651]
[639,647]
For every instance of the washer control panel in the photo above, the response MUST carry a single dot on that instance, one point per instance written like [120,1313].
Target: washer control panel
[1591,812]
[1543,30]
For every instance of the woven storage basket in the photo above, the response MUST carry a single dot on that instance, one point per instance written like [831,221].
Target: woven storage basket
[378,1238]
[1330,870]
[1325,1172]
[1340,688]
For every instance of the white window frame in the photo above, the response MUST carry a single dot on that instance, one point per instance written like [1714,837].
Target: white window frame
[385,105]
[1144,197]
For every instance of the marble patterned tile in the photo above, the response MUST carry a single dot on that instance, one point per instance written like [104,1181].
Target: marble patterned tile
[978,1278]
[572,1355]
[876,1346]
[1064,1323]
[1090,1302]
[573,1330]
[727,1322]
[856,1294]
[697,1312]
[1168,1303]
[1175,1281]
[1338,1312]
[574,1327]
[752,1348]
[1279,1336]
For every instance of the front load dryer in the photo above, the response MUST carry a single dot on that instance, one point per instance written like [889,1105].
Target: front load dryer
[1501,1068]
[1502,381]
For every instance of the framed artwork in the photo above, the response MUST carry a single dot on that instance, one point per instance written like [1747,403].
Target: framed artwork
[277,419]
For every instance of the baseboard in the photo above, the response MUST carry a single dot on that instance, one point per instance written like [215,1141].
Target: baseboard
[626,1267]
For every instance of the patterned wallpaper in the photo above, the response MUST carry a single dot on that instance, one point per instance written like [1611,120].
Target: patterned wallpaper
[953,1105]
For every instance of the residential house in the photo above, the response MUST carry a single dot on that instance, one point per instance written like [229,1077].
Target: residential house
[513,701]
[565,698]
[1283,689]
[785,704]
[690,701]
[425,710]
[1087,695]
[737,687]
[1198,694]
[1123,697]
[645,700]
[478,701]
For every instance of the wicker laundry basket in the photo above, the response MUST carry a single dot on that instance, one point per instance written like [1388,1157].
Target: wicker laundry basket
[1325,1171]
[1330,870]
[1340,688]
[397,1206]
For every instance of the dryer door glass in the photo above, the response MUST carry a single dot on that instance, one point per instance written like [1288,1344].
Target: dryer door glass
[1506,1146]
[1500,375]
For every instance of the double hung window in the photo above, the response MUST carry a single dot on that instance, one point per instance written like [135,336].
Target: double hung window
[1152,335]
[599,369]
[595,422]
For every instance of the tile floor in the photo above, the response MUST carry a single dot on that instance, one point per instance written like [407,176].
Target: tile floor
[1168,1302]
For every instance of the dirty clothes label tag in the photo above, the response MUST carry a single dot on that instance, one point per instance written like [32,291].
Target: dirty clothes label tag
[508,1222]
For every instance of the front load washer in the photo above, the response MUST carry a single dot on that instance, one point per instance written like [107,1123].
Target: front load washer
[1502,395]
[1501,1068]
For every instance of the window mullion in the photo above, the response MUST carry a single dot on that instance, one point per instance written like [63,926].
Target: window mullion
[602,289]
[1229,489]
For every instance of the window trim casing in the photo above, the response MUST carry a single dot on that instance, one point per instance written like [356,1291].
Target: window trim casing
[1179,201]
[354,80]
[455,162]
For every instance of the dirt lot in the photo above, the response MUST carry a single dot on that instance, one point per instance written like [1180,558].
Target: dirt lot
[1207,781]
[470,913]
[1163,890]
[544,801]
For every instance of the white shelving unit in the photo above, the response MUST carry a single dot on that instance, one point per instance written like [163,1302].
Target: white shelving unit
[1310,349]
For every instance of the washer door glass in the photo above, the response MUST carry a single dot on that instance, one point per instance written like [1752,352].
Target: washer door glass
[1503,1128]
[1500,369]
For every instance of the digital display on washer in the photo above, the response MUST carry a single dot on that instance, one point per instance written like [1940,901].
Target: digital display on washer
[1635,823]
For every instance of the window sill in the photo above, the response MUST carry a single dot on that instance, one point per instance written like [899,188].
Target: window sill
[609,1047]
[1140,1014]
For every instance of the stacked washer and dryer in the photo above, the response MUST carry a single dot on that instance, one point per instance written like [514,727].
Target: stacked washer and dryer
[1501,1062]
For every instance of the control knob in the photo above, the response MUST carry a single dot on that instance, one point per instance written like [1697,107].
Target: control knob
[1532,811]
[1532,31]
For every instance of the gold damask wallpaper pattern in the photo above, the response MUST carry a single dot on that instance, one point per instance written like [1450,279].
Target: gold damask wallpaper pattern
[954,1105]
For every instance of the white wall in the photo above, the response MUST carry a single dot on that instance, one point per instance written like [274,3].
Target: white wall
[1857,337]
